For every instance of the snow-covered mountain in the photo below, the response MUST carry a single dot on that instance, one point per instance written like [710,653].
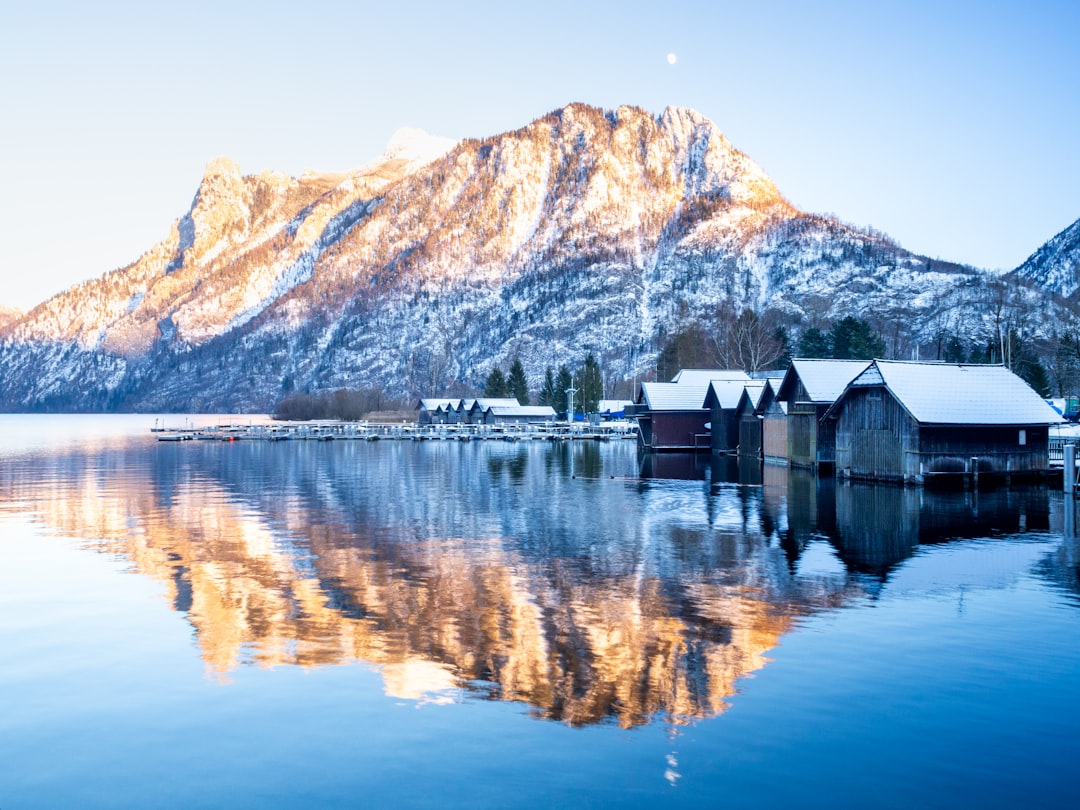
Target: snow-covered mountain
[8,317]
[1056,265]
[584,231]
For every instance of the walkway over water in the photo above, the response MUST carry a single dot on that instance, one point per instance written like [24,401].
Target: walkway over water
[408,431]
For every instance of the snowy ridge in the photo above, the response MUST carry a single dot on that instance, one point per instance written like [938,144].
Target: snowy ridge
[584,231]
[1056,265]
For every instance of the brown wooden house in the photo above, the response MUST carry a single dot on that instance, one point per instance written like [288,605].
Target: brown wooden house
[919,422]
[774,425]
[809,388]
[672,416]
[722,401]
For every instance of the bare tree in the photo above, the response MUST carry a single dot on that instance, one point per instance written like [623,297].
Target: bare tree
[748,340]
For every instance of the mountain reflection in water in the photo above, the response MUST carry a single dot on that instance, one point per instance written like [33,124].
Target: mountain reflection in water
[580,579]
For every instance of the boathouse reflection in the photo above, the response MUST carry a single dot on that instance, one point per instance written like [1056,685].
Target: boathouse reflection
[551,575]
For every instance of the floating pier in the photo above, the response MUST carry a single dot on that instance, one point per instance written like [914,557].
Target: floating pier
[364,431]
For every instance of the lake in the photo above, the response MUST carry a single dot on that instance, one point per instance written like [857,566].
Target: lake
[532,624]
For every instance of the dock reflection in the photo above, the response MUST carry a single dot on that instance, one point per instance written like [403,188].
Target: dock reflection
[558,576]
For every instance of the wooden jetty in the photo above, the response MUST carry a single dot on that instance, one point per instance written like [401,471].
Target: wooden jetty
[325,431]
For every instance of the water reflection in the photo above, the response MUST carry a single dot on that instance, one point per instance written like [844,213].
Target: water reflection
[562,576]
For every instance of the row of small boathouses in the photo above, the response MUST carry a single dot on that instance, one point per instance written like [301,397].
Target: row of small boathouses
[489,411]
[882,420]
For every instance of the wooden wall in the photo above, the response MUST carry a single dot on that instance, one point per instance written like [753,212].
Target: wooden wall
[877,439]
[774,436]
[675,430]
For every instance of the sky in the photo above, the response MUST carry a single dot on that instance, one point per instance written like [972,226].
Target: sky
[951,126]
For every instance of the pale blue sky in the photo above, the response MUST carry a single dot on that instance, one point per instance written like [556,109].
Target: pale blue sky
[952,126]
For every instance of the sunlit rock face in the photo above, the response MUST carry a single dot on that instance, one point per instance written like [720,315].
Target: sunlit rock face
[584,231]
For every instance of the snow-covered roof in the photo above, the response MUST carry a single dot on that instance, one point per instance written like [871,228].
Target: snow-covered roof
[824,380]
[429,404]
[612,405]
[958,394]
[495,402]
[703,376]
[522,410]
[464,404]
[752,395]
[728,392]
[673,396]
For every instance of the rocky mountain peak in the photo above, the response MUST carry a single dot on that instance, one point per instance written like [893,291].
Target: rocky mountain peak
[584,231]
[223,167]
[1056,265]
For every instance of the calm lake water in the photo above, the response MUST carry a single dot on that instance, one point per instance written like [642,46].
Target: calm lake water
[396,624]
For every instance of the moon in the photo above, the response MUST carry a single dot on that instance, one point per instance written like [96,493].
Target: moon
[671,59]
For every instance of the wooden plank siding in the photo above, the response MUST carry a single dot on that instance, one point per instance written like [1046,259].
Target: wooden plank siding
[774,437]
[674,430]
[723,429]
[750,436]
[877,439]
[802,437]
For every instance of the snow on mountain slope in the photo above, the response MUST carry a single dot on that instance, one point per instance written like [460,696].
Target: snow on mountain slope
[583,231]
[1056,265]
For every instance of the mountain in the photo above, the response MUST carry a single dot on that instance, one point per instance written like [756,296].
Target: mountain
[584,231]
[1055,266]
[8,317]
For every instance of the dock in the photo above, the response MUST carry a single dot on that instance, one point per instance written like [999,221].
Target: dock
[325,431]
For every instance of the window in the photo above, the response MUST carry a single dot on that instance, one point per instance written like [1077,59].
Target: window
[1023,437]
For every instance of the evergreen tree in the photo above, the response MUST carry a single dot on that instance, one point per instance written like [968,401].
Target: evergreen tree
[563,380]
[813,343]
[954,351]
[1030,369]
[495,385]
[589,383]
[548,394]
[516,383]
[853,339]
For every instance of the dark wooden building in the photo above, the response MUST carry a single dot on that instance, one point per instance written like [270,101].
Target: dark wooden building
[722,401]
[672,416]
[477,413]
[809,388]
[434,411]
[748,420]
[459,413]
[920,422]
[519,414]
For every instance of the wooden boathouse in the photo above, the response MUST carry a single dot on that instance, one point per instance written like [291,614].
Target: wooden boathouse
[519,414]
[921,422]
[774,424]
[477,413]
[672,416]
[748,420]
[434,411]
[721,400]
[809,389]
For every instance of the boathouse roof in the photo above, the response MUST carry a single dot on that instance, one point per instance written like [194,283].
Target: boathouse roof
[703,376]
[673,396]
[510,411]
[727,393]
[429,404]
[495,402]
[752,396]
[823,380]
[955,393]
